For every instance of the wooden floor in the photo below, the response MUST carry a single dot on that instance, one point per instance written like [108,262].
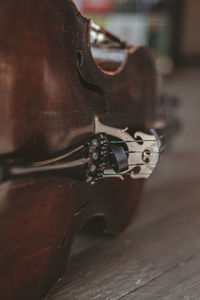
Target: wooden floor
[158,256]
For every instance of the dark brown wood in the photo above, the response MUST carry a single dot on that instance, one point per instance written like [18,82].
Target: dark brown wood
[51,90]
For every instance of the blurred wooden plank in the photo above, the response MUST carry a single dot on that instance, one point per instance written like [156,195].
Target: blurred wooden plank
[182,280]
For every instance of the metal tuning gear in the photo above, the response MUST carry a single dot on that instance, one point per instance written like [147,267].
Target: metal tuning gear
[136,156]
[118,158]
[111,152]
[98,151]
[100,37]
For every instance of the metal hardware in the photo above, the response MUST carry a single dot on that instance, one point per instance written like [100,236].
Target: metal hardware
[111,152]
[142,149]
[118,158]
[100,37]
[98,155]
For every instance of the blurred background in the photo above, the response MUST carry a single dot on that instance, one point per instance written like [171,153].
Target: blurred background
[170,27]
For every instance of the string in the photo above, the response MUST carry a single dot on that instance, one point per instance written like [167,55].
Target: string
[119,174]
[56,159]
[20,170]
[132,165]
[134,152]
[164,147]
[138,142]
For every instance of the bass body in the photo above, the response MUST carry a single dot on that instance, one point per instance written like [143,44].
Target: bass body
[52,89]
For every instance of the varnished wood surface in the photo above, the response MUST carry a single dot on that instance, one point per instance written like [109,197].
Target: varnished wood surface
[158,256]
[51,90]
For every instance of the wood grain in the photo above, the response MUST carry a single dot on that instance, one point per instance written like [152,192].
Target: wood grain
[51,90]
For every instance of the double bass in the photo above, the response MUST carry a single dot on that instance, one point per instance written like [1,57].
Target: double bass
[82,128]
